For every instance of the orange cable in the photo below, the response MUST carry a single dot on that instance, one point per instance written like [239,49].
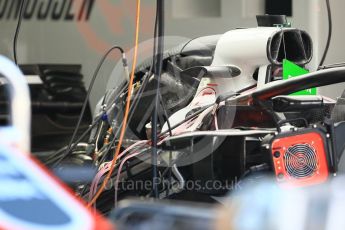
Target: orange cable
[128,104]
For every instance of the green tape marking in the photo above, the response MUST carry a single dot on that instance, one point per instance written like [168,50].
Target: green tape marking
[290,70]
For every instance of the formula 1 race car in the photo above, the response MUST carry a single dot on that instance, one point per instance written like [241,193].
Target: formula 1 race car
[228,114]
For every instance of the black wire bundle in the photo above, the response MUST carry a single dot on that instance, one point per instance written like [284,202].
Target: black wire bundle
[86,101]
[19,23]
[158,65]
[59,155]
[330,29]
[132,111]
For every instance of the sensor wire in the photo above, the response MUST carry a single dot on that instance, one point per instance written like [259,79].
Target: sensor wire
[128,104]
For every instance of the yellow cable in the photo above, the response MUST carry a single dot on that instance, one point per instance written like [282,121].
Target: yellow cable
[128,104]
